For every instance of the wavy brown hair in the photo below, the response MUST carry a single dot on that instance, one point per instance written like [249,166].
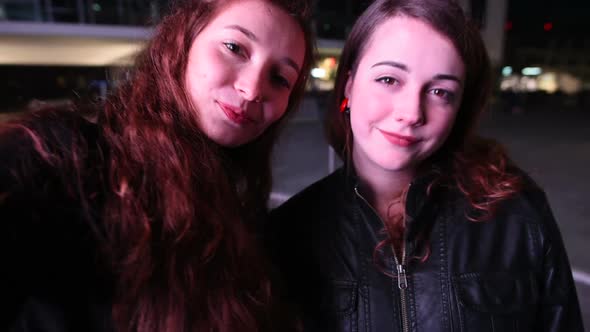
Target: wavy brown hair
[180,212]
[478,168]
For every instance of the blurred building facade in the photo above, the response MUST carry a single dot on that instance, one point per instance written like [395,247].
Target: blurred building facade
[547,48]
[52,49]
[59,50]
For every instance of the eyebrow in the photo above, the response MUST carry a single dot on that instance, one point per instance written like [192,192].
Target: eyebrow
[243,30]
[250,35]
[392,64]
[448,77]
[405,68]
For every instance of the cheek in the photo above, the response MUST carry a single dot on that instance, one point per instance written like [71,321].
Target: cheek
[365,113]
[195,76]
[442,124]
[368,103]
[208,68]
[277,109]
[359,123]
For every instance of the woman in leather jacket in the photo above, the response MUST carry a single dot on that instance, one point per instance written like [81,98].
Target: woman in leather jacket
[146,215]
[426,227]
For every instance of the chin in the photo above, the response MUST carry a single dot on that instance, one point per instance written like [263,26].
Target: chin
[224,140]
[391,165]
[230,143]
[397,167]
[399,164]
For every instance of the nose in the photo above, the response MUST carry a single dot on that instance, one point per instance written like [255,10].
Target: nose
[409,109]
[249,84]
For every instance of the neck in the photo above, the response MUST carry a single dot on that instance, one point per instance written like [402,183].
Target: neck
[381,187]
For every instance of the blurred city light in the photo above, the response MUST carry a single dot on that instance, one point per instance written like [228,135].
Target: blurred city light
[318,72]
[532,71]
[548,82]
[508,26]
[506,71]
[331,61]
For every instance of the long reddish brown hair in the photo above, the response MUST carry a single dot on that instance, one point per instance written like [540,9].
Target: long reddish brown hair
[181,212]
[478,168]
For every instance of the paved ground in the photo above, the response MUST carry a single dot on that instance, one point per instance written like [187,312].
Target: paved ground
[553,146]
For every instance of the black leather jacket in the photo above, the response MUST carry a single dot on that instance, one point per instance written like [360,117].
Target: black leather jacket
[510,273]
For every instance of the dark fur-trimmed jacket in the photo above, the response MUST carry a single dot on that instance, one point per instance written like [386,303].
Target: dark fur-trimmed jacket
[509,273]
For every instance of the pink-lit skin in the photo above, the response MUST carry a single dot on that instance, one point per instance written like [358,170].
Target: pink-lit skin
[242,69]
[404,95]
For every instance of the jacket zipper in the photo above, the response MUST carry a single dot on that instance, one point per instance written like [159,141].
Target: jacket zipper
[402,281]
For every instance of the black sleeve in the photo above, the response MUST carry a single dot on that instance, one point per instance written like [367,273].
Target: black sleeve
[20,169]
[43,238]
[560,309]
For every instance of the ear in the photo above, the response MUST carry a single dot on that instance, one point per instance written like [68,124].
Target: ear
[348,86]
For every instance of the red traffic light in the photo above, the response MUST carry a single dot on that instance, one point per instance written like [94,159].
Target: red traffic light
[548,26]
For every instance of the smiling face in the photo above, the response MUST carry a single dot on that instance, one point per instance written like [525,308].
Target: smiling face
[403,96]
[242,68]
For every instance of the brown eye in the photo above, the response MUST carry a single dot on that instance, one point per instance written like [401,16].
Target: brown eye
[281,81]
[233,47]
[446,95]
[387,80]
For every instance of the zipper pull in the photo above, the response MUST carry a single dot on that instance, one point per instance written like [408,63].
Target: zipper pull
[402,281]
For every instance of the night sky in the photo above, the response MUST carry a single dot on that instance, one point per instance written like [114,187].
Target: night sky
[560,12]
[569,22]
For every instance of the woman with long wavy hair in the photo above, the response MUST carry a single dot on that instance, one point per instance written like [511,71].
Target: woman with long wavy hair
[427,227]
[147,218]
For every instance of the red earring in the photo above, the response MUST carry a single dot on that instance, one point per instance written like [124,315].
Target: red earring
[344,106]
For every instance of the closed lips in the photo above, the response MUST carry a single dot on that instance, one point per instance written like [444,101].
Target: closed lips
[398,139]
[235,114]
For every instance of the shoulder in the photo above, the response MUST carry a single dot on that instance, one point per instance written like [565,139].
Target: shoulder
[514,194]
[531,202]
[46,154]
[52,128]
[41,141]
[322,195]
[532,206]
[527,212]
[48,127]
[310,212]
